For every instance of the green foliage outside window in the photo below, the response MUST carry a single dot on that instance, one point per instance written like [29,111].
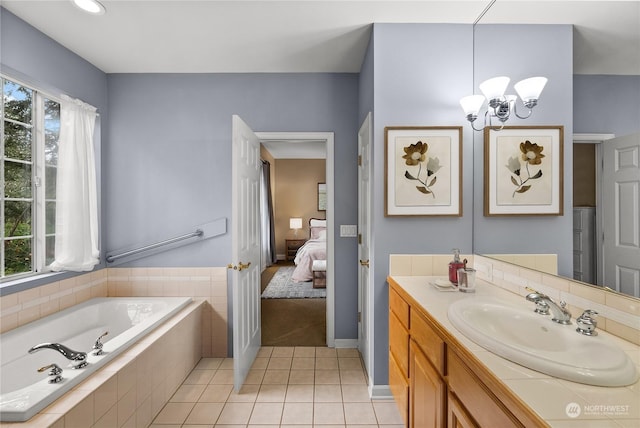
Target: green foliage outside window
[20,149]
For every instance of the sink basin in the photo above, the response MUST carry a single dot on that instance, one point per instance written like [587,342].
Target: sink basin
[536,342]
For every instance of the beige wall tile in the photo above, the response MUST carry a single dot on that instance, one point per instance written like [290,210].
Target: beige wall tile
[400,264]
[8,322]
[80,415]
[421,265]
[623,303]
[8,301]
[590,293]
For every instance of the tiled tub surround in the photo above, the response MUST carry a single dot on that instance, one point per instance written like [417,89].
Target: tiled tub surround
[126,320]
[201,284]
[131,390]
[617,314]
[546,396]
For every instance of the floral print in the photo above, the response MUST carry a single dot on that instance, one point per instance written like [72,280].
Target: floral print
[416,155]
[531,154]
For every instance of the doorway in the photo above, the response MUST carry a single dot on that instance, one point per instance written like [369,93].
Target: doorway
[299,161]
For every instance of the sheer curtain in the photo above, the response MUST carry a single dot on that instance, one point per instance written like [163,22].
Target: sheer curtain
[268,241]
[76,246]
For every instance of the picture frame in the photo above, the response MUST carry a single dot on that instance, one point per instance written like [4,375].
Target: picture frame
[423,171]
[322,196]
[524,171]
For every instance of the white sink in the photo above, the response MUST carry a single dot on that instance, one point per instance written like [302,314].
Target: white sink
[536,342]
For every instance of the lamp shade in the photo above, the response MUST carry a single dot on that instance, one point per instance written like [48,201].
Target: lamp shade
[531,88]
[495,87]
[472,104]
[295,223]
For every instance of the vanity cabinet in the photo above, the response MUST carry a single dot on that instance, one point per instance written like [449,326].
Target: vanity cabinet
[436,382]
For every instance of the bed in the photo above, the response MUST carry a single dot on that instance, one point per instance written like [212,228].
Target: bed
[314,249]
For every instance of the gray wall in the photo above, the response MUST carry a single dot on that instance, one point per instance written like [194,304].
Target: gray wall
[421,71]
[168,161]
[605,104]
[525,51]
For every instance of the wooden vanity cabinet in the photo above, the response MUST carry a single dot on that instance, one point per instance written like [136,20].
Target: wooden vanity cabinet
[399,353]
[428,392]
[437,383]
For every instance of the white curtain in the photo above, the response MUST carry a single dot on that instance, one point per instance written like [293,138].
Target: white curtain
[76,189]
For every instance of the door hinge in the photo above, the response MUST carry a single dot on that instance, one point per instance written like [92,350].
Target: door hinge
[359,316]
[359,160]
[359,238]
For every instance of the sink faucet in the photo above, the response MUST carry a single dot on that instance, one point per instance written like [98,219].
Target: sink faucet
[78,357]
[559,313]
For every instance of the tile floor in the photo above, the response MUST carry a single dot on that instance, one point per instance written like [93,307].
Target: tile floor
[291,387]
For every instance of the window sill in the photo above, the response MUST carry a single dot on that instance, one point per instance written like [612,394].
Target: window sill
[33,281]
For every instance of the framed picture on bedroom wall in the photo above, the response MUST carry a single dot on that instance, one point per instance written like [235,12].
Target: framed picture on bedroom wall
[423,171]
[322,196]
[523,171]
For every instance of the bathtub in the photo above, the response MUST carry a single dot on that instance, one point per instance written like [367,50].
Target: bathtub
[24,391]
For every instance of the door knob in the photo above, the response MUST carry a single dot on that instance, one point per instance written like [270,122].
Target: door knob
[239,267]
[364,263]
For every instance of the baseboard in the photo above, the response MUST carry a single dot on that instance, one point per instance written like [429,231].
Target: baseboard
[380,392]
[345,343]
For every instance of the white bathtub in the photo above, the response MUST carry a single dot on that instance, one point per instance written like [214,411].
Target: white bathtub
[24,391]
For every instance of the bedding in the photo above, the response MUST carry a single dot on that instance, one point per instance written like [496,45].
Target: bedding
[314,249]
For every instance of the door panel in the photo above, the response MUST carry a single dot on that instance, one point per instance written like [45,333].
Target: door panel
[365,338]
[621,214]
[245,249]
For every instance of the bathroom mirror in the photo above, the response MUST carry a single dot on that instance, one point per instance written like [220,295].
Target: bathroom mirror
[552,13]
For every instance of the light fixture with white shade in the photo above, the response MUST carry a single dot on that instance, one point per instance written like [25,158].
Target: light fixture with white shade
[93,7]
[295,224]
[499,105]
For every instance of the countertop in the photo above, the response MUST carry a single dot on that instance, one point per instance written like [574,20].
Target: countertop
[549,397]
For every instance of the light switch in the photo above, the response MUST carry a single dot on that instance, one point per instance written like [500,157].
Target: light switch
[348,230]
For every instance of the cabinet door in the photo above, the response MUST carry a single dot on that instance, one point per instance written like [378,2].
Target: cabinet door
[458,416]
[427,392]
[399,386]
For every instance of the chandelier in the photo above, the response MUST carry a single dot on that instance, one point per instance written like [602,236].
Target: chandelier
[501,106]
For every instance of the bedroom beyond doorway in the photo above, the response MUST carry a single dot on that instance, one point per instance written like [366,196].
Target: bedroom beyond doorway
[291,322]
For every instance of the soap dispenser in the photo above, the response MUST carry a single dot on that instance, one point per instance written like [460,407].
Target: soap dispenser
[454,266]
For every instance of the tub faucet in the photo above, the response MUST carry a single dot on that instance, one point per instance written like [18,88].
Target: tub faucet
[559,313]
[78,357]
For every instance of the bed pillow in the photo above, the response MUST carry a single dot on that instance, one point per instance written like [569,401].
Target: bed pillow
[319,233]
[316,222]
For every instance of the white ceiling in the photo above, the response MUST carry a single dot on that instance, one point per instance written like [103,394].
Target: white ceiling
[215,36]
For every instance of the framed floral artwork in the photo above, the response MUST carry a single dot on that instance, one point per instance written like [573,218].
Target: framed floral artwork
[423,171]
[523,171]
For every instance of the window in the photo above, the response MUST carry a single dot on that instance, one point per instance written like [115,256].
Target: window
[30,128]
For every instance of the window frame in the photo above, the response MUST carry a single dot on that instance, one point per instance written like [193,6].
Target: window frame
[38,236]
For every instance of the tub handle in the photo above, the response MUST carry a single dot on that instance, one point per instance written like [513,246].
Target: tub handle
[55,369]
[54,372]
[98,345]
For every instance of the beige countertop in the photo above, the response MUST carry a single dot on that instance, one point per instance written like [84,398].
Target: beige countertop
[549,397]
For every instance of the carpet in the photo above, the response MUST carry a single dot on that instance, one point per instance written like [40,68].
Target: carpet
[281,287]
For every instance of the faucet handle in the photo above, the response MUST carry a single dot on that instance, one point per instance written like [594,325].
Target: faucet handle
[98,345]
[587,323]
[54,372]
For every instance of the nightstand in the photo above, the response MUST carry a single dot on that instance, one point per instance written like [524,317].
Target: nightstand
[292,246]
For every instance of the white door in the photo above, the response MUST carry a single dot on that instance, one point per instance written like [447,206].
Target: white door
[245,249]
[365,339]
[621,214]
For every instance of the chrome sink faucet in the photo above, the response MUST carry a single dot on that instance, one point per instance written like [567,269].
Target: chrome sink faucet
[544,303]
[75,356]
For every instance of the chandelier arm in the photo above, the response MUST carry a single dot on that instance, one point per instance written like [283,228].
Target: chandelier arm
[491,125]
[515,110]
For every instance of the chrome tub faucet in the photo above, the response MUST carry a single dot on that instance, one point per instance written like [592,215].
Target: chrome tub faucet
[544,304]
[78,357]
